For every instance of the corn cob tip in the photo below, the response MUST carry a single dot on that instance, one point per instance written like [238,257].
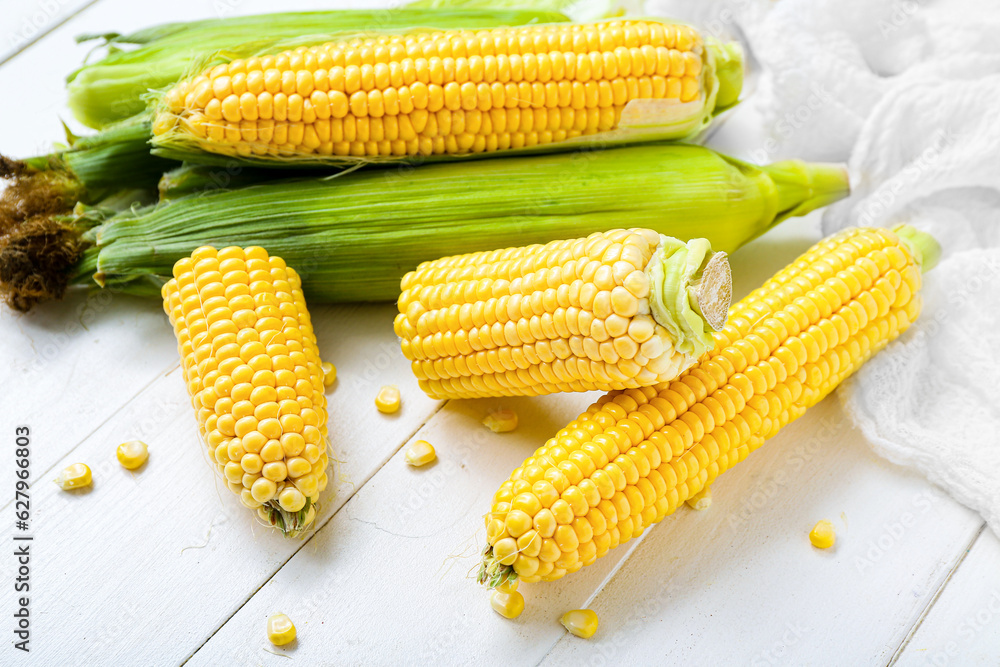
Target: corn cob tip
[804,187]
[494,574]
[925,248]
[291,524]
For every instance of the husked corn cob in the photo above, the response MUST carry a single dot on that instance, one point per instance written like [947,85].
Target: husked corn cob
[252,368]
[106,91]
[634,456]
[617,309]
[448,92]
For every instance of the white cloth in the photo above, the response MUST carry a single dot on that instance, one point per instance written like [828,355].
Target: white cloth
[911,99]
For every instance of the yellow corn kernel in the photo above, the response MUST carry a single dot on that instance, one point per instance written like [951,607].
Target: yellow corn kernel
[280,629]
[291,499]
[508,605]
[329,373]
[420,453]
[429,85]
[823,535]
[700,501]
[569,315]
[637,454]
[388,399]
[508,586]
[75,476]
[251,363]
[501,421]
[132,454]
[580,622]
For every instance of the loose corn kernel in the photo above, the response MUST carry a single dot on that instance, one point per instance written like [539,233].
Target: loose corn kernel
[501,421]
[580,622]
[132,454]
[508,605]
[701,500]
[329,373]
[823,535]
[75,476]
[280,629]
[388,399]
[635,455]
[420,453]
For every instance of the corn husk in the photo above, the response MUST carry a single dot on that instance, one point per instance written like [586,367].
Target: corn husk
[353,237]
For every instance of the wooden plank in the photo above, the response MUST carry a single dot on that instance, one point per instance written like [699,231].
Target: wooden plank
[27,21]
[70,365]
[391,579]
[963,626]
[170,541]
[740,582]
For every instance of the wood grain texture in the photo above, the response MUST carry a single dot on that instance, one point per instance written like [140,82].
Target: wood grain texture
[28,21]
[170,547]
[391,579]
[963,626]
[160,565]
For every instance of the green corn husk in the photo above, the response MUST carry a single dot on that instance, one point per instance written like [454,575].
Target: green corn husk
[194,180]
[114,88]
[641,121]
[580,11]
[117,158]
[353,237]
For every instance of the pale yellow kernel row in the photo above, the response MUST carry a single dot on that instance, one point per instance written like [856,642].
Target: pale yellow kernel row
[570,39]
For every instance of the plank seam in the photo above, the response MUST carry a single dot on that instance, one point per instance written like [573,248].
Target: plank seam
[34,40]
[937,594]
[329,518]
[600,588]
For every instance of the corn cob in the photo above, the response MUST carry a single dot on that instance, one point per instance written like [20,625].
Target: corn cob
[635,455]
[252,368]
[113,88]
[451,93]
[354,237]
[618,309]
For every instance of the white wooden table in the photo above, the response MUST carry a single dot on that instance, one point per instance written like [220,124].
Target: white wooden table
[164,566]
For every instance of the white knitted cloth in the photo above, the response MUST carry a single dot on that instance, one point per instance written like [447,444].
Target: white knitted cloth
[910,96]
